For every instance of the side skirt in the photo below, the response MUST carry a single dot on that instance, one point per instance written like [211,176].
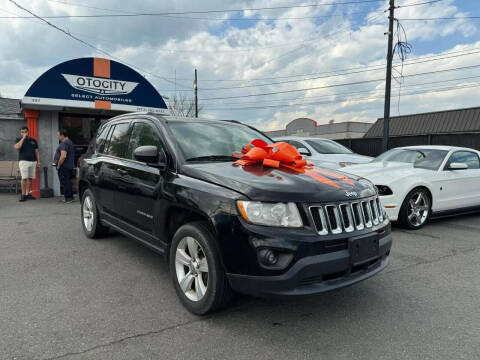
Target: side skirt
[161,249]
[455,212]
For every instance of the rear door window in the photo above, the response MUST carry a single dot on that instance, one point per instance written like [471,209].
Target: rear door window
[101,139]
[118,140]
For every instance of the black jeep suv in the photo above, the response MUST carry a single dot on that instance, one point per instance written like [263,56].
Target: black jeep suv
[172,185]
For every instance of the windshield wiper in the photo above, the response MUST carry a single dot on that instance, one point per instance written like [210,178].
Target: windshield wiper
[213,158]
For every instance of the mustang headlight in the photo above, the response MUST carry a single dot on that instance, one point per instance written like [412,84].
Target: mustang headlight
[384,190]
[271,214]
[346,163]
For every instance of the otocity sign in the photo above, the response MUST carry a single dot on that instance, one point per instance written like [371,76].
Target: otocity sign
[94,83]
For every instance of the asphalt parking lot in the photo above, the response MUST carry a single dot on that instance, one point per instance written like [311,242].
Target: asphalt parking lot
[64,296]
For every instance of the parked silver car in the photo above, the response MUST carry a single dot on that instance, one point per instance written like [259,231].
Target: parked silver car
[325,152]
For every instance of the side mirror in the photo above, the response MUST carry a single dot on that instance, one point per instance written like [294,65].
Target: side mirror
[149,154]
[457,166]
[304,151]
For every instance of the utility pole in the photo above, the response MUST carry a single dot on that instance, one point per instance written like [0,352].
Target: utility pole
[196,98]
[388,83]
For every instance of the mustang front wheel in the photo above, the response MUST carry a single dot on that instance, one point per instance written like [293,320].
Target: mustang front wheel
[415,209]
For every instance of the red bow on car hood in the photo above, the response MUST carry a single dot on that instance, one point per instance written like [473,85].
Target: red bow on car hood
[283,154]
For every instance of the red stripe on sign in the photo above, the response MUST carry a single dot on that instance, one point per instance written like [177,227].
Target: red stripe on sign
[100,104]
[101,67]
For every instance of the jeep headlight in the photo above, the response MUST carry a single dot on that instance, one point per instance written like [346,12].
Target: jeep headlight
[367,183]
[270,214]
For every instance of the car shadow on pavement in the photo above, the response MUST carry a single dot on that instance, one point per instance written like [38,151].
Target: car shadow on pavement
[332,302]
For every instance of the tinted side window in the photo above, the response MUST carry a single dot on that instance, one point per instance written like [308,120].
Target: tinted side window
[101,139]
[142,134]
[465,157]
[298,145]
[118,140]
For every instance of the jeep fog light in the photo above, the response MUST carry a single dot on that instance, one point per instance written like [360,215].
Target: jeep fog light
[273,259]
[271,214]
[268,257]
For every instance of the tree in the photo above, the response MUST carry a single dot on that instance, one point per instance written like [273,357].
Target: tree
[182,106]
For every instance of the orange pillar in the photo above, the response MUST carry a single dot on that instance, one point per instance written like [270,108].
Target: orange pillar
[32,124]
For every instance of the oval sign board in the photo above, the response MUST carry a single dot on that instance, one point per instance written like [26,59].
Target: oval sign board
[95,83]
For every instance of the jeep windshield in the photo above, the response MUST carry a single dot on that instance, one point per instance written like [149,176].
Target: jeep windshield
[430,159]
[212,141]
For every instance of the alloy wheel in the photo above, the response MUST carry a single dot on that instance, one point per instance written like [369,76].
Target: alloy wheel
[418,208]
[191,266]
[87,211]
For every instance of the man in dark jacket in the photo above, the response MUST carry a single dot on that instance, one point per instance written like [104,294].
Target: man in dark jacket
[64,160]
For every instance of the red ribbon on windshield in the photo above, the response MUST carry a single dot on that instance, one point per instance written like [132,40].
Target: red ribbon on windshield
[283,154]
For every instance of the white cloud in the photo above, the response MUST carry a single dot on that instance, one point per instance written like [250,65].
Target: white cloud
[164,45]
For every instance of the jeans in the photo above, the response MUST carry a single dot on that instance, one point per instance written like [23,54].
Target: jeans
[65,176]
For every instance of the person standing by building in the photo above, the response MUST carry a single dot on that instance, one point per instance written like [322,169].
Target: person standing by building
[64,161]
[29,161]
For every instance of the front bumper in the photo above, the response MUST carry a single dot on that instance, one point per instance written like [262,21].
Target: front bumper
[392,206]
[314,274]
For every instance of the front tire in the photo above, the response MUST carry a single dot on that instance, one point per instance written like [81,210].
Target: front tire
[196,269]
[416,209]
[91,223]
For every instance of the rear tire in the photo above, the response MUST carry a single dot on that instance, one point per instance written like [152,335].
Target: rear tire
[197,271]
[91,223]
[416,209]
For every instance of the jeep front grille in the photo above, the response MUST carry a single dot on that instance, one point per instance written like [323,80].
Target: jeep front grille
[347,216]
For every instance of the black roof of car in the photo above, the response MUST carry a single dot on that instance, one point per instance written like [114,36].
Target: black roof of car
[169,118]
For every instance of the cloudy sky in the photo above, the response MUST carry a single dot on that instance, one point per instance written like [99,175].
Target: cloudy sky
[319,59]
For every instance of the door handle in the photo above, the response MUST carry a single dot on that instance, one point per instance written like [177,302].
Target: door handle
[122,172]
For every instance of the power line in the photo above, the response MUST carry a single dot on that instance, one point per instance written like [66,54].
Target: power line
[440,18]
[347,99]
[349,93]
[84,42]
[379,97]
[124,13]
[127,14]
[260,48]
[338,85]
[178,17]
[408,5]
[412,61]
[328,76]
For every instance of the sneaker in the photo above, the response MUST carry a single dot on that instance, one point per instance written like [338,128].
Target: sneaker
[30,197]
[23,198]
[69,201]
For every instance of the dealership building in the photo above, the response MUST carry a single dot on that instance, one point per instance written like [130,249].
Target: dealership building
[76,95]
[306,127]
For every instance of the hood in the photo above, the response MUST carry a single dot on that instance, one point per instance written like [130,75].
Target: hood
[383,172]
[353,158]
[334,160]
[261,183]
